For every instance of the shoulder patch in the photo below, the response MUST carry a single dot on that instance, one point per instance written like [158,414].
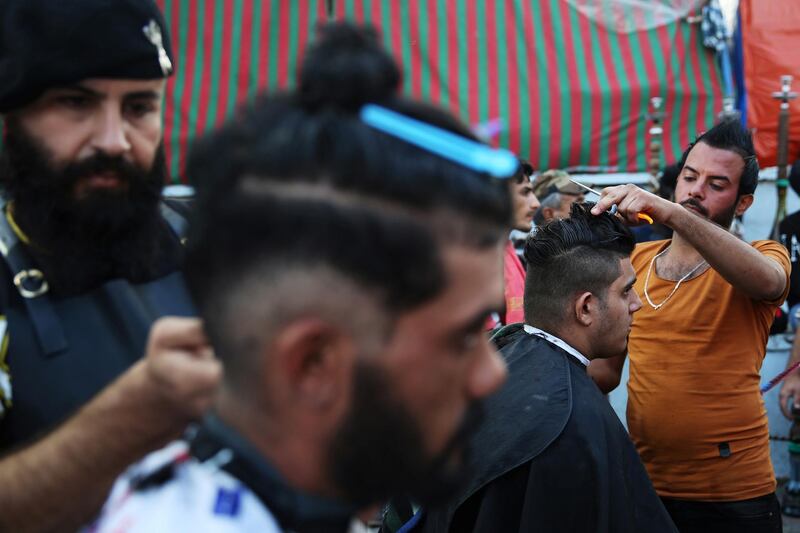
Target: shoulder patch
[228,501]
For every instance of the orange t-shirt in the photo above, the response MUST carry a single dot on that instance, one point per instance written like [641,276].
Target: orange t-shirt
[694,408]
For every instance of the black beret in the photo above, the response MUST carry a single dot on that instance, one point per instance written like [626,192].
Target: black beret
[48,43]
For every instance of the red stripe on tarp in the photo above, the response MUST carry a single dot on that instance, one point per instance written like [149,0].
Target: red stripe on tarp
[615,100]
[472,64]
[338,9]
[434,55]
[534,126]
[186,98]
[303,16]
[653,79]
[576,113]
[223,82]
[594,91]
[205,82]
[246,61]
[283,44]
[322,10]
[453,80]
[512,120]
[556,113]
[359,12]
[397,36]
[492,71]
[415,49]
[375,18]
[630,122]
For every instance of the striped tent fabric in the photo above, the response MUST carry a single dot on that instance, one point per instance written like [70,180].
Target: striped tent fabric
[226,52]
[570,92]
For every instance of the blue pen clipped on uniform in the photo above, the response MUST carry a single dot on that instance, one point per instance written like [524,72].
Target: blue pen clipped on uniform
[496,162]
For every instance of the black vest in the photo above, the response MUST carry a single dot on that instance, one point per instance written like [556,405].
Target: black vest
[62,351]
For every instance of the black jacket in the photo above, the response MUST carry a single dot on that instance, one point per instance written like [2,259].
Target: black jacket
[552,456]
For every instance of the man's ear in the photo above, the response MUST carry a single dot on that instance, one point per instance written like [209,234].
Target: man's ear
[315,359]
[586,308]
[743,204]
[548,213]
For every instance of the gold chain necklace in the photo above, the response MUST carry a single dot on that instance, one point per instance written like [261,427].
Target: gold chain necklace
[647,280]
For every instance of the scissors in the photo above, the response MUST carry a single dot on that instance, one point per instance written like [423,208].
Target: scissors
[641,216]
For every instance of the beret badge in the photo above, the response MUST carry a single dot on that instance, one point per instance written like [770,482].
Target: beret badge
[153,33]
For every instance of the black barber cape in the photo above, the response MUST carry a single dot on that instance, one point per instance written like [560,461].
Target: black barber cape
[551,456]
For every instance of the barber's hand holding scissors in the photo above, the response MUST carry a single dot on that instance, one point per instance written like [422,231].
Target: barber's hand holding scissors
[635,205]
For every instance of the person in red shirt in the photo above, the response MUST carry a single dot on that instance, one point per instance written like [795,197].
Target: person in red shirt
[525,204]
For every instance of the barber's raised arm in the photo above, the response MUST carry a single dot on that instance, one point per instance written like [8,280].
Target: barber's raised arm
[59,482]
[758,276]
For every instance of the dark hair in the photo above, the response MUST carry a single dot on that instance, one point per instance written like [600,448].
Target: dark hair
[523,173]
[564,257]
[298,182]
[669,180]
[729,134]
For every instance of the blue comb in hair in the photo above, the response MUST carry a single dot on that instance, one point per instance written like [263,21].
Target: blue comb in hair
[496,162]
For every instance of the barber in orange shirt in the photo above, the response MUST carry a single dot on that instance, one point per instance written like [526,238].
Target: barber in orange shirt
[696,347]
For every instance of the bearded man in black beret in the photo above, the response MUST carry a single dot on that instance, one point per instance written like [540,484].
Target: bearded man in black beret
[91,257]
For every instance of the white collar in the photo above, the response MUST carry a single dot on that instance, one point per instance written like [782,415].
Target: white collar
[530,330]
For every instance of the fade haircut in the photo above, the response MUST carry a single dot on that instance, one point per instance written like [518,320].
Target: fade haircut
[571,256]
[730,134]
[301,207]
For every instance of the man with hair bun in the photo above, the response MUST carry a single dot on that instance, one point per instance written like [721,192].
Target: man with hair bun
[552,455]
[345,277]
[90,259]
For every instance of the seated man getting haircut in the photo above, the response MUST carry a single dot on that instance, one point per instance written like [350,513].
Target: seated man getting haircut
[552,455]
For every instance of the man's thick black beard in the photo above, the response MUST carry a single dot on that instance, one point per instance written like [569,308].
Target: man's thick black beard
[378,451]
[81,241]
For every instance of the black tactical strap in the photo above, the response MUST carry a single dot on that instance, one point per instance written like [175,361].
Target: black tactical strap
[43,316]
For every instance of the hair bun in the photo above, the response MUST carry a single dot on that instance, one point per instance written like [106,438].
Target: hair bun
[347,67]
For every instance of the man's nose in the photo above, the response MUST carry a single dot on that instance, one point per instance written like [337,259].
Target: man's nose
[488,373]
[636,304]
[535,204]
[111,136]
[697,190]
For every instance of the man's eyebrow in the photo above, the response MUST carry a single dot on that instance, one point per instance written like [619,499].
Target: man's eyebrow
[631,283]
[725,178]
[148,95]
[80,89]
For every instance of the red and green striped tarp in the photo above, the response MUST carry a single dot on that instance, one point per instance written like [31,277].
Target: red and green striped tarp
[572,93]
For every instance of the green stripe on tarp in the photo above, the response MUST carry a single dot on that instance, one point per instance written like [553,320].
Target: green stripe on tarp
[236,45]
[502,72]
